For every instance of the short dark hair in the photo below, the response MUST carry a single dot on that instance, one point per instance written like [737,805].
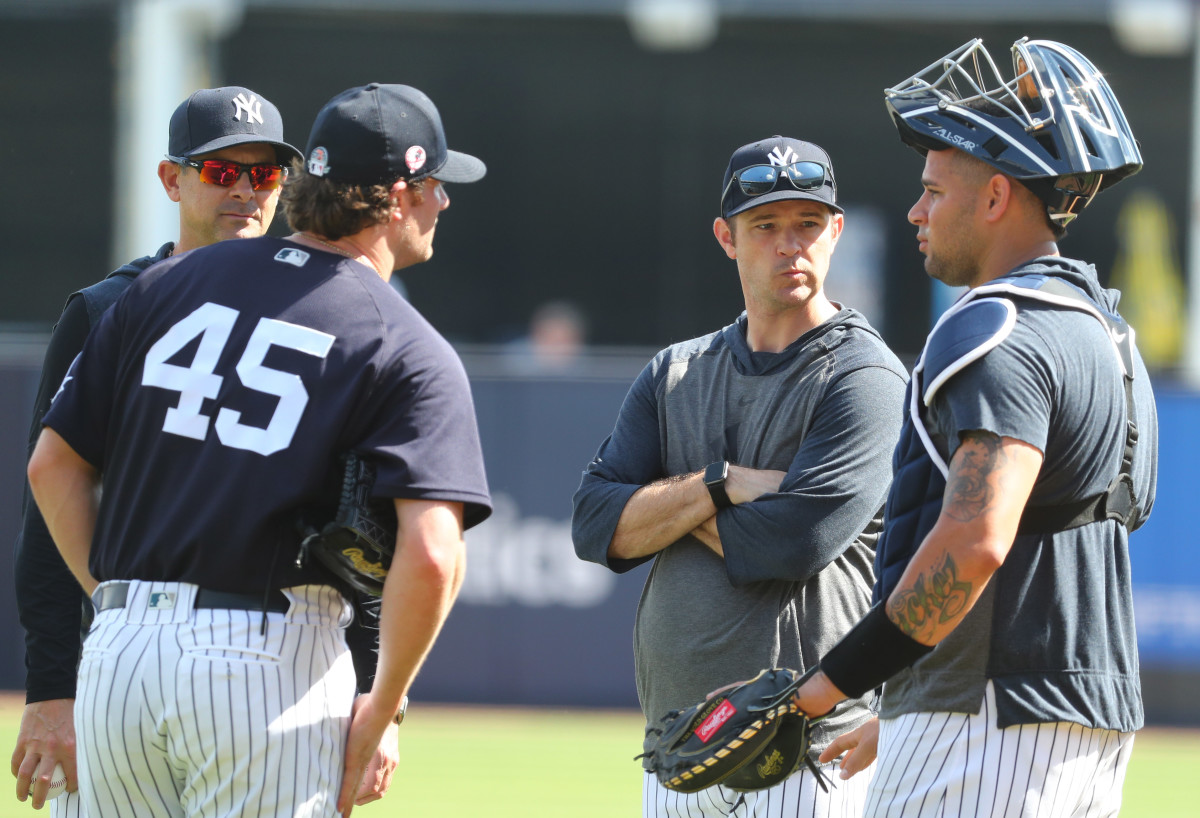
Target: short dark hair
[332,209]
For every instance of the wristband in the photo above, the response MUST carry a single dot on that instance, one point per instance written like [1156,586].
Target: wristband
[872,652]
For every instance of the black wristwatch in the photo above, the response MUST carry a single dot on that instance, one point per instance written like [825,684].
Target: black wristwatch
[714,478]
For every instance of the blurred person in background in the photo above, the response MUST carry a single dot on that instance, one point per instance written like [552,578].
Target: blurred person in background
[554,342]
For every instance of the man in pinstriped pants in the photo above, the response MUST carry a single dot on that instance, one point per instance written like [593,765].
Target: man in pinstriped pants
[215,397]
[1003,623]
[216,124]
[750,464]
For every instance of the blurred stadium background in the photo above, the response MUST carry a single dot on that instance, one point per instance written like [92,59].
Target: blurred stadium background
[606,125]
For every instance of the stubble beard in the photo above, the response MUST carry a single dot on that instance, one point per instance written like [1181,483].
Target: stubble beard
[953,272]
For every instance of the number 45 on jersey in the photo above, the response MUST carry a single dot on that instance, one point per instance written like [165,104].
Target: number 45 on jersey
[213,324]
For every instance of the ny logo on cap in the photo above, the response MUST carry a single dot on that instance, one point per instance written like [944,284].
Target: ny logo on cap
[252,107]
[782,158]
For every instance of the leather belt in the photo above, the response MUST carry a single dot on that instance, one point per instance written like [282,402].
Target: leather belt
[115,594]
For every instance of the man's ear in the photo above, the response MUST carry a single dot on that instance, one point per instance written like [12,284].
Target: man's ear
[998,196]
[168,174]
[723,231]
[837,223]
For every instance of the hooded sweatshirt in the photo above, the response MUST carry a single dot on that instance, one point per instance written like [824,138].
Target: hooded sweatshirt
[796,573]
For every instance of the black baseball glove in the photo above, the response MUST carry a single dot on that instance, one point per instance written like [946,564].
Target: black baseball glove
[747,737]
[358,543]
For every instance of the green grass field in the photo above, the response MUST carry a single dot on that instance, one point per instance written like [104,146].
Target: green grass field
[504,763]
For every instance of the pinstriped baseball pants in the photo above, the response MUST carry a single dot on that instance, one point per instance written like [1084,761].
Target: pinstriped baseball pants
[932,765]
[67,805]
[195,712]
[796,796]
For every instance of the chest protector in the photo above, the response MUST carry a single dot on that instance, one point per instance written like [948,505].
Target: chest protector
[973,326]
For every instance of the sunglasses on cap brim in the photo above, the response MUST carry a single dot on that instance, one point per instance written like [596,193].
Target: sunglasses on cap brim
[756,180]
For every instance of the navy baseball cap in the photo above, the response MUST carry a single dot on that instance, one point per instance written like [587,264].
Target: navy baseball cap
[804,171]
[376,134]
[215,118]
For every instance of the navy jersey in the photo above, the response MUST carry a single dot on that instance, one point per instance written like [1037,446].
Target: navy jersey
[217,393]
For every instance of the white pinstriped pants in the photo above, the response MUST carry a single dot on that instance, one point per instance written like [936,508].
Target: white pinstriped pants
[938,765]
[67,805]
[796,796]
[194,712]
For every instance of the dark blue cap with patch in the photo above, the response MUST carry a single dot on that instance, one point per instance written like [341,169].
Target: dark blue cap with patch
[376,134]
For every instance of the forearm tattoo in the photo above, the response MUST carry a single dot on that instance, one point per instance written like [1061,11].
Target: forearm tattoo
[933,600]
[940,596]
[970,487]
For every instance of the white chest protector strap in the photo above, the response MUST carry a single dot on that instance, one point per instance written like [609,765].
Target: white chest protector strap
[992,319]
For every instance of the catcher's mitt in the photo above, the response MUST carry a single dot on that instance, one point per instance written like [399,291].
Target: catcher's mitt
[747,737]
[358,543]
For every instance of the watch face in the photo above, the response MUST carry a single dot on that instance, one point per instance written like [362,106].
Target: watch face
[715,473]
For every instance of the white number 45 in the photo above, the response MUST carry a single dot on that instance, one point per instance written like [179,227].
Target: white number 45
[213,324]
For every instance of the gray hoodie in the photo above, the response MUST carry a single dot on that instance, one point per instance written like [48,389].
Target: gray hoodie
[797,567]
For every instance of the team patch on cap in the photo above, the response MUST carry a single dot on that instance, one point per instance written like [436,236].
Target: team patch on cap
[318,162]
[415,158]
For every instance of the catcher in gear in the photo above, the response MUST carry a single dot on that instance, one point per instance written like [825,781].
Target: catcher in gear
[748,737]
[1028,456]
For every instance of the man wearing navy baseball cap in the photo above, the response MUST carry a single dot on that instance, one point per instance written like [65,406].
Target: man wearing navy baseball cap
[226,160]
[751,465]
[260,365]
[225,165]
[379,149]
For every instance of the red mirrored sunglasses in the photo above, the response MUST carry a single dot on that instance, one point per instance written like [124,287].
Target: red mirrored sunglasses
[225,173]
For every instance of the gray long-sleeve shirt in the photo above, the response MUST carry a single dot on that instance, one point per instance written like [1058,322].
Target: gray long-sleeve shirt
[797,571]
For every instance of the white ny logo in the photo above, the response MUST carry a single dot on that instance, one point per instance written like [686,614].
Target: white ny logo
[252,107]
[781,159]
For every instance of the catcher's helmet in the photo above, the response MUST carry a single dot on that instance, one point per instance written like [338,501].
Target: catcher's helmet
[1056,126]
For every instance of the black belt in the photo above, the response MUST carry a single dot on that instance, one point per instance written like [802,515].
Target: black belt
[114,595]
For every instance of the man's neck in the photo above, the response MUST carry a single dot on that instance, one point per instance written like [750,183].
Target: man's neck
[775,332]
[1008,258]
